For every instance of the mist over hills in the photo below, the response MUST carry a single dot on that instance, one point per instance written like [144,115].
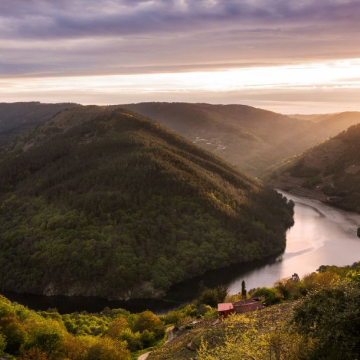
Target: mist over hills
[109,203]
[329,171]
[250,138]
[17,118]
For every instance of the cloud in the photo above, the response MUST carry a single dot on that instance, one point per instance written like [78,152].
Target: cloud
[62,38]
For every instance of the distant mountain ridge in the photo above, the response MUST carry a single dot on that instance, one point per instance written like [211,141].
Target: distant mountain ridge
[250,138]
[108,203]
[329,172]
[17,118]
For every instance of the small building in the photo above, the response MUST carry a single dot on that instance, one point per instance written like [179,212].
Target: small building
[239,307]
[248,305]
[225,309]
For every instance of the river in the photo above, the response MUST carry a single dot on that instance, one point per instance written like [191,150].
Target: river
[322,235]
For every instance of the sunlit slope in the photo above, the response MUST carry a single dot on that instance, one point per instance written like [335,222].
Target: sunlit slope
[250,138]
[109,203]
[329,172]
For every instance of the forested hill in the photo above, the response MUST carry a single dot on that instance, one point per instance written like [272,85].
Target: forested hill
[250,138]
[17,118]
[108,203]
[329,172]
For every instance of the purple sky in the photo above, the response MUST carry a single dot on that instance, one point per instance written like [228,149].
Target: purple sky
[47,48]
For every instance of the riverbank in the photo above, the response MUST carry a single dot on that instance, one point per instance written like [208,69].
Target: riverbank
[322,235]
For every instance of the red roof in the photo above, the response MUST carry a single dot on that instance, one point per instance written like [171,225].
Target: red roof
[225,307]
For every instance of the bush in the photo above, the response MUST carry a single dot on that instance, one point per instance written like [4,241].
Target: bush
[2,344]
[213,297]
[133,339]
[108,349]
[271,296]
[147,320]
[332,317]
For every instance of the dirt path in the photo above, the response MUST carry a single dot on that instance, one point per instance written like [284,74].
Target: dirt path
[144,356]
[170,333]
[170,336]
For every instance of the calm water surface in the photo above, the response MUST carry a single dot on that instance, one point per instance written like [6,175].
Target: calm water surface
[322,235]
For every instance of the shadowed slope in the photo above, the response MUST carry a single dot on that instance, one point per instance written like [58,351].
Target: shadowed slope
[109,203]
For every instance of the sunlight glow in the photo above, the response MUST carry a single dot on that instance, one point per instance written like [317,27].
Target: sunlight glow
[345,73]
[327,76]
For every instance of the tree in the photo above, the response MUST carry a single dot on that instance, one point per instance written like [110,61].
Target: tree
[108,349]
[35,354]
[243,289]
[133,340]
[213,296]
[271,295]
[332,317]
[14,333]
[46,336]
[2,344]
[147,320]
[117,327]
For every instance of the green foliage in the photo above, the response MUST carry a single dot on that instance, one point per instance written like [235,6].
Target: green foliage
[34,354]
[300,169]
[243,289]
[45,336]
[107,349]
[332,317]
[17,118]
[213,296]
[112,204]
[2,344]
[270,295]
[148,321]
[264,334]
[175,317]
[79,336]
[339,172]
[132,339]
[254,138]
[14,333]
[312,183]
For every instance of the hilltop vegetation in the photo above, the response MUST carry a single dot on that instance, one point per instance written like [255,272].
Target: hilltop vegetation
[17,118]
[110,335]
[250,138]
[330,171]
[317,318]
[108,203]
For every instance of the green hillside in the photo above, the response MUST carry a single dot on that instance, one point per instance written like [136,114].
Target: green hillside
[250,138]
[330,171]
[17,118]
[108,203]
[315,318]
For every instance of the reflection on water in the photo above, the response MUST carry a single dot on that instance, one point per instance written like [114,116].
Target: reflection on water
[322,235]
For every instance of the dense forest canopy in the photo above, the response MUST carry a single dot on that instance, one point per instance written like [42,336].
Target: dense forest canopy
[108,203]
[18,118]
[330,170]
[252,139]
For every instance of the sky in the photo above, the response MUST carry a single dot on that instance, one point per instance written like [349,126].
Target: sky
[288,56]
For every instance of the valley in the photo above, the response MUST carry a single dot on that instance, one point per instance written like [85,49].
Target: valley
[329,172]
[108,203]
[320,232]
